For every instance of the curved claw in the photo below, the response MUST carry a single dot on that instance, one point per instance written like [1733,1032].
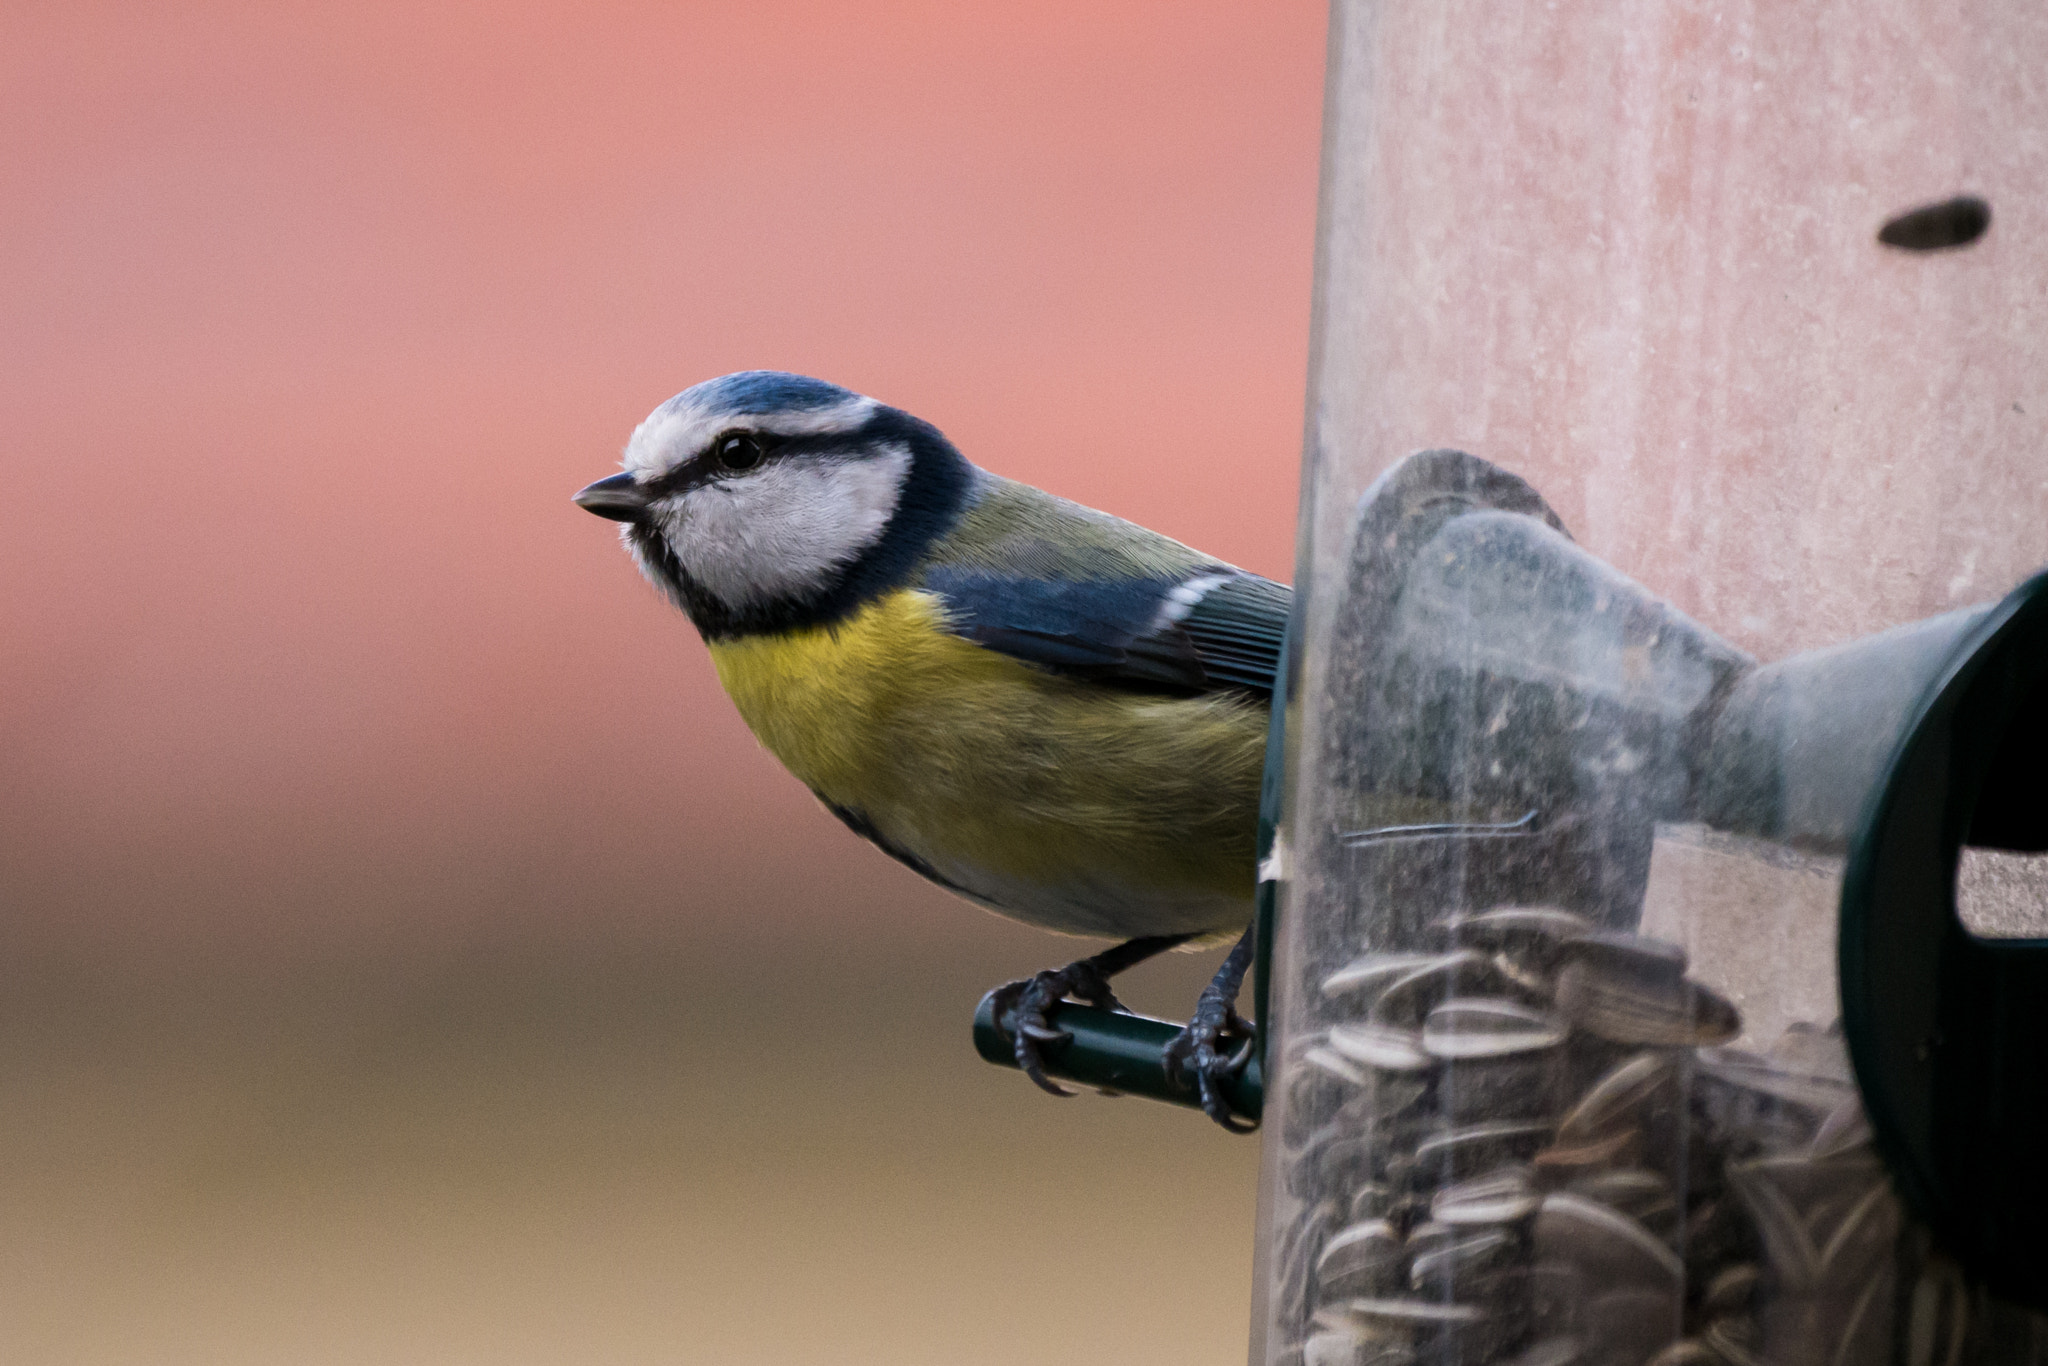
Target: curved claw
[1214,1107]
[1193,1056]
[1020,1013]
[1027,1061]
[1215,1020]
[1021,1006]
[1241,1059]
[1025,1039]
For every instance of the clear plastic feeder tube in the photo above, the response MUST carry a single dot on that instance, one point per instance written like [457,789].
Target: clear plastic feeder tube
[1677,448]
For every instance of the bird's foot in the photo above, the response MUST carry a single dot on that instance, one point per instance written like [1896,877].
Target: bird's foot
[1023,1007]
[1218,1042]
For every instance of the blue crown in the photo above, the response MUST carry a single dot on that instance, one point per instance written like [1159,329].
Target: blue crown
[760,391]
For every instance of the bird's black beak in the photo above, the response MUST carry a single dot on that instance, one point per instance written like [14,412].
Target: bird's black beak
[618,498]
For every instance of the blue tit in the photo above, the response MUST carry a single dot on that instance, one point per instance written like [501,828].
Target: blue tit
[1051,712]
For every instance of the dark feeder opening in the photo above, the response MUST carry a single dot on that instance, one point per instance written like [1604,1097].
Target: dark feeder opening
[1529,698]
[1949,1031]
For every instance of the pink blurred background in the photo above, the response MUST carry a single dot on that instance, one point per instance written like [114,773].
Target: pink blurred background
[409,955]
[318,315]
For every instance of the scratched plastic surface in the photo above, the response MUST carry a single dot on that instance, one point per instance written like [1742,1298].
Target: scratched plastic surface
[1676,404]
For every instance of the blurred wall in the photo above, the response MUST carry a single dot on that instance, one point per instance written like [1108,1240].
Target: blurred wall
[408,954]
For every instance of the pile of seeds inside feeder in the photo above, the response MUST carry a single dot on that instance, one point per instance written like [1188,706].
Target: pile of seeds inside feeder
[1528,1146]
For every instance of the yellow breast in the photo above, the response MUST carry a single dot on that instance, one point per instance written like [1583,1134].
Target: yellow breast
[1056,800]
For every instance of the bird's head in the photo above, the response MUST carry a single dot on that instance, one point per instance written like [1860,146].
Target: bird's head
[761,500]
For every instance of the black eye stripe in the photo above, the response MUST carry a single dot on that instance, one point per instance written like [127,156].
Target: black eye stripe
[704,467]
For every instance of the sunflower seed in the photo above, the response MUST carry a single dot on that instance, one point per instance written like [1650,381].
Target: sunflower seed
[1380,1046]
[1373,971]
[1619,953]
[1788,1246]
[1371,1200]
[1498,1197]
[1863,1239]
[1866,1326]
[1364,1259]
[1468,1267]
[1488,1027]
[1427,1236]
[1730,1290]
[1326,1063]
[1407,1000]
[1536,931]
[1630,1008]
[1455,1154]
[1643,1196]
[1756,1084]
[1607,1246]
[1396,1312]
[1614,1099]
[1811,1184]
[1845,1129]
[1560,1161]
[1734,1339]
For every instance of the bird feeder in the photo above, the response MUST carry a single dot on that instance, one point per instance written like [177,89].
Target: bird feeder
[1661,965]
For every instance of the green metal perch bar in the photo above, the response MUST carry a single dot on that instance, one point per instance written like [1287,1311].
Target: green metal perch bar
[1112,1051]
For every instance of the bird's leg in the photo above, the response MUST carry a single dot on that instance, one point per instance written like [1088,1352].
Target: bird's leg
[1204,1048]
[1021,1006]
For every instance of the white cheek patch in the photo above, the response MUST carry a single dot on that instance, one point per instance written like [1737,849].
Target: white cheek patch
[674,432]
[783,530]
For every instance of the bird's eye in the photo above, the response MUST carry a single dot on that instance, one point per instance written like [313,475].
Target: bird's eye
[739,451]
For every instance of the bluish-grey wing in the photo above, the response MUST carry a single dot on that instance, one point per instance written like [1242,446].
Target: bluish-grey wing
[1236,627]
[1218,630]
